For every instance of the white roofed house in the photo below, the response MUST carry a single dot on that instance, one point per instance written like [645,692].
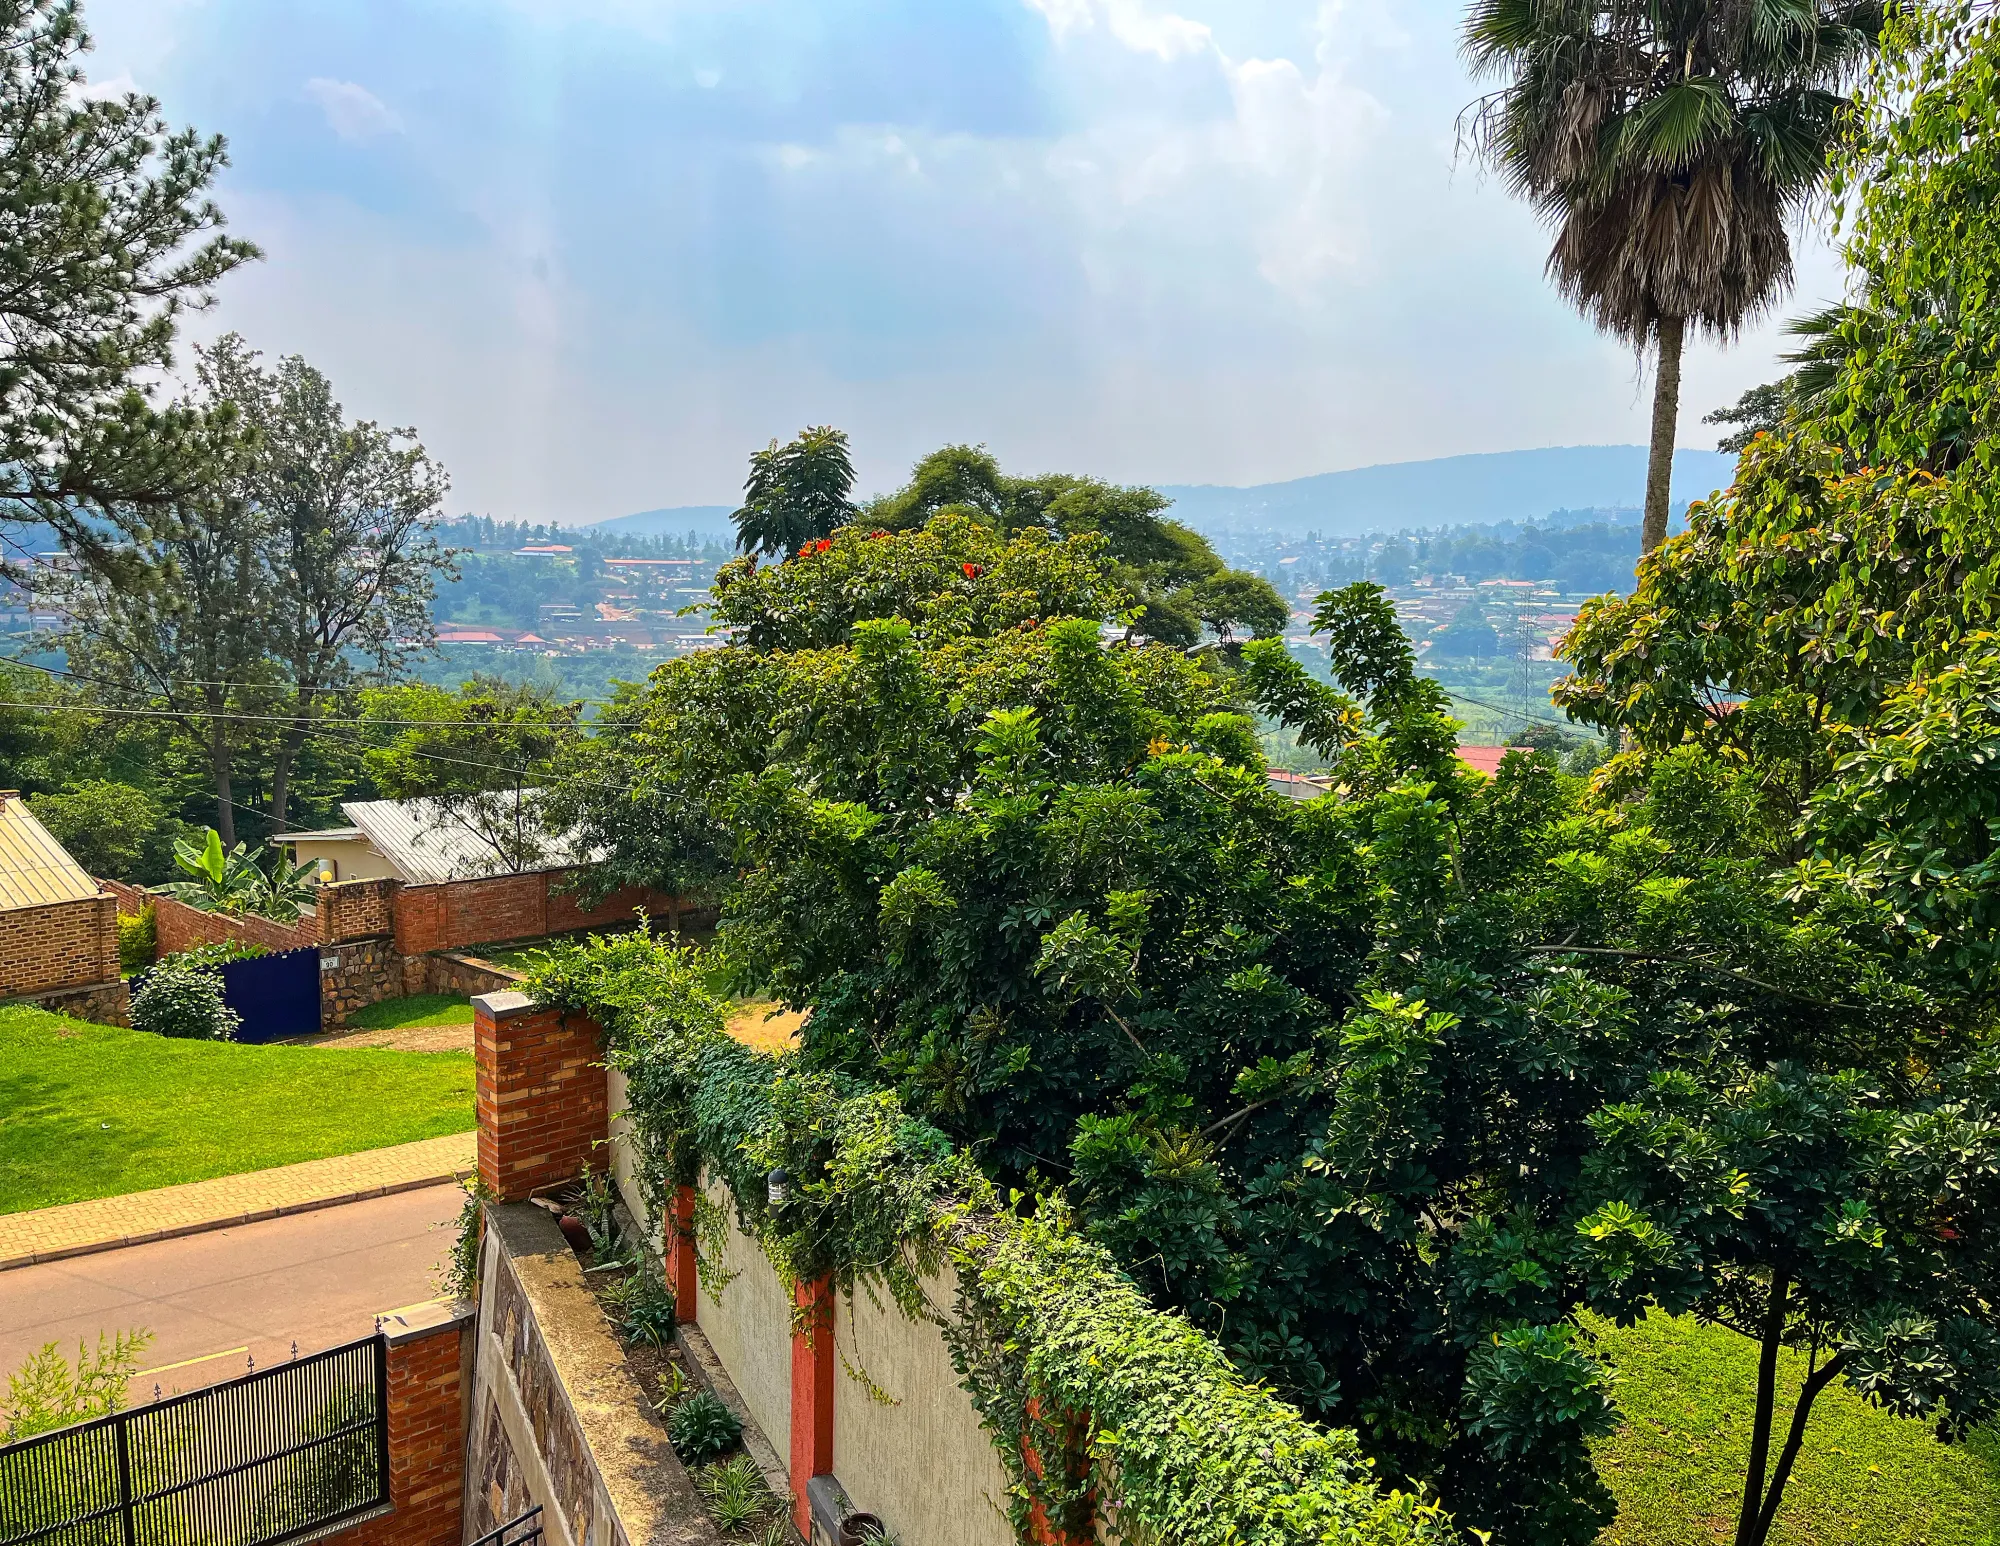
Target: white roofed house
[430,840]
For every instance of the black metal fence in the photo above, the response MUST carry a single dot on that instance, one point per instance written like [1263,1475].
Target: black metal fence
[260,1460]
[524,1531]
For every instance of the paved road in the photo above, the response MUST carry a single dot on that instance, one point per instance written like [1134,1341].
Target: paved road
[317,1279]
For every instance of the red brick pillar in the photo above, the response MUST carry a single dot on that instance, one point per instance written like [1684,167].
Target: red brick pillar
[543,1100]
[426,1359]
[812,1395]
[1074,1455]
[681,1276]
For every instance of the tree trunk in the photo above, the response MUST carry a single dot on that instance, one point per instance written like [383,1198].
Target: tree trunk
[289,746]
[1760,1426]
[1817,1381]
[1666,422]
[219,764]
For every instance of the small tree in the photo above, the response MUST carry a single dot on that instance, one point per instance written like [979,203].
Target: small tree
[796,493]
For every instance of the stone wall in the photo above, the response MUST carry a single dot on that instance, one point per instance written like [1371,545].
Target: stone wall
[542,1098]
[557,1418]
[103,1003]
[354,975]
[62,945]
[451,972]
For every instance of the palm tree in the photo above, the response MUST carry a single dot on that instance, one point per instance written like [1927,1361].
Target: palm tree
[1669,143]
[796,493]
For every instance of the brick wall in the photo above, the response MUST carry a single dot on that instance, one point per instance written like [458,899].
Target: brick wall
[457,913]
[131,900]
[62,945]
[543,1101]
[357,909]
[427,1370]
[181,927]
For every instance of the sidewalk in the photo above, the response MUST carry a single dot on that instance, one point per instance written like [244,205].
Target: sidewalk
[106,1223]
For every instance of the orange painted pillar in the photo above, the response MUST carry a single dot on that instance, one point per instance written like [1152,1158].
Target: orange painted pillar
[681,1276]
[1042,1530]
[812,1395]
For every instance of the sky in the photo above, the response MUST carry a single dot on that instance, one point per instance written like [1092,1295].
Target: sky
[596,252]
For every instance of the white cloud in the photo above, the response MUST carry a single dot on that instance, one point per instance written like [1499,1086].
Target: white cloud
[110,89]
[1164,35]
[353,112]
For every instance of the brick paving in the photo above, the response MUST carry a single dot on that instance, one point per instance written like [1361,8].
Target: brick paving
[105,1223]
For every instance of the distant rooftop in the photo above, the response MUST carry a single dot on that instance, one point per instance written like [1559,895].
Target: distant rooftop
[35,870]
[425,846]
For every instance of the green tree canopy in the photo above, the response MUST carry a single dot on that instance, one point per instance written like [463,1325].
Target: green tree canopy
[796,493]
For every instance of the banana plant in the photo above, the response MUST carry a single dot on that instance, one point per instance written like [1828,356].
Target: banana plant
[230,881]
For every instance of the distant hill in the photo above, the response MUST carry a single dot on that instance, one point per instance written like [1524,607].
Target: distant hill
[1450,491]
[673,521]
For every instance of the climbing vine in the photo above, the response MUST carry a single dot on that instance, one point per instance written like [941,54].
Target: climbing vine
[1079,1381]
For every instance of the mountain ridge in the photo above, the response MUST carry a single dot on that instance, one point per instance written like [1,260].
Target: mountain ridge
[1472,489]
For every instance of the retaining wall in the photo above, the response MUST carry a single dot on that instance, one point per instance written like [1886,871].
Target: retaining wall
[557,1418]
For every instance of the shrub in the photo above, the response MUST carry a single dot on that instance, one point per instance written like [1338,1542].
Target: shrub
[138,939]
[183,999]
[702,1428]
[643,1308]
[734,1491]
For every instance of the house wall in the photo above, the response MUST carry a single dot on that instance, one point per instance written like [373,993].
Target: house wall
[62,945]
[352,858]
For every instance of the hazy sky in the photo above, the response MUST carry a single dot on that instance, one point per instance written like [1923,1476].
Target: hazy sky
[597,251]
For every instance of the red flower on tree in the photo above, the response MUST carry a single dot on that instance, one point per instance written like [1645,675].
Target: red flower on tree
[971,571]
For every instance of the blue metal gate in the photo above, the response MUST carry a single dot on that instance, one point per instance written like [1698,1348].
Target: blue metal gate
[275,995]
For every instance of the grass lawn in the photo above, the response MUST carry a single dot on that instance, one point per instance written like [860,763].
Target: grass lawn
[93,1111]
[1863,1477]
[396,1014]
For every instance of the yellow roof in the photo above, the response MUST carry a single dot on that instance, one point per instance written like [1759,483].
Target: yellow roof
[34,868]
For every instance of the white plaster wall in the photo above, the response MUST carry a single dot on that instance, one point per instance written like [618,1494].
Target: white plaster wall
[623,1170]
[750,1328]
[925,1464]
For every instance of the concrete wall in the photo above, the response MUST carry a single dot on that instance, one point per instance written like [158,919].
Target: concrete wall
[924,1464]
[62,945]
[749,1324]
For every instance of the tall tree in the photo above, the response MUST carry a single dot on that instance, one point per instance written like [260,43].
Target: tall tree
[1668,142]
[796,493]
[178,617]
[107,234]
[347,512]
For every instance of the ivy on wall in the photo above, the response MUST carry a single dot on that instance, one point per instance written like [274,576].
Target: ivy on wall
[1079,1381]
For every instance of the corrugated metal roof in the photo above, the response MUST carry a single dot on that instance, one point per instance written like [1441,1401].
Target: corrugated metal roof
[35,870]
[426,846]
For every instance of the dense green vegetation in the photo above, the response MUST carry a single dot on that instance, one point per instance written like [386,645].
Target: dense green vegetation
[94,1111]
[418,1009]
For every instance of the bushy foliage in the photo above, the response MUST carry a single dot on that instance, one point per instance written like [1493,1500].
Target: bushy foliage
[138,939]
[49,1392]
[1047,1319]
[181,999]
[643,1308]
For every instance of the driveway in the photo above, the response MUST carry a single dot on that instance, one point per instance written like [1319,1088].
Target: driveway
[215,1301]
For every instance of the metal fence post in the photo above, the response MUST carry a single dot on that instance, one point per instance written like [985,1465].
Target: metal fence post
[125,1521]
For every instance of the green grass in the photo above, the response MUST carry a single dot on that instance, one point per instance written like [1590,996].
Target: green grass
[1863,1477]
[396,1014]
[93,1111]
